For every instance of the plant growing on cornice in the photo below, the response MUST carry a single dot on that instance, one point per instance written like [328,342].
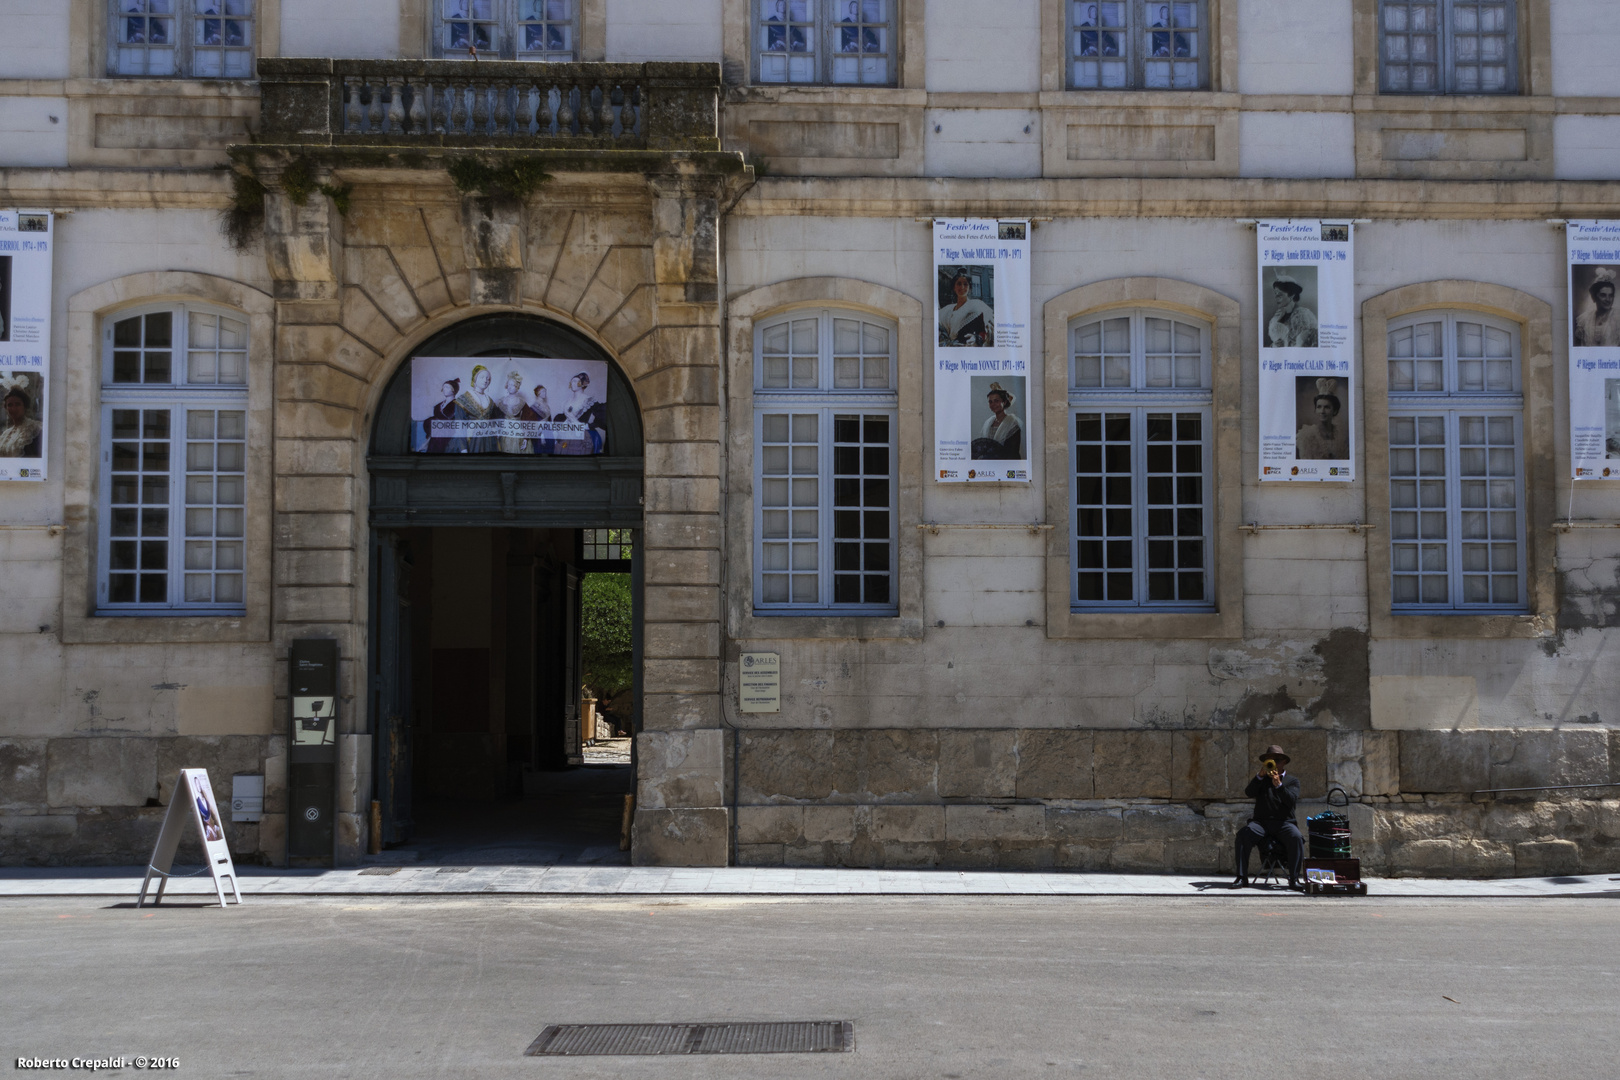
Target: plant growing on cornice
[242,220]
[339,194]
[517,178]
[298,182]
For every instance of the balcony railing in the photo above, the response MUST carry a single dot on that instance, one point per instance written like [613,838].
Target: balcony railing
[460,103]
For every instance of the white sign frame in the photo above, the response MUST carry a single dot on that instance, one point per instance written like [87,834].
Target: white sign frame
[193,801]
[1306,311]
[759,682]
[27,239]
[1594,350]
[982,345]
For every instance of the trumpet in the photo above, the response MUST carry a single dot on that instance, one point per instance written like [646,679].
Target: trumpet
[1269,766]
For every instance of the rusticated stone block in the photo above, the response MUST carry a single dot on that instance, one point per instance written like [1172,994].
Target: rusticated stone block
[1541,758]
[1139,855]
[1067,824]
[1131,765]
[759,854]
[797,764]
[908,824]
[896,765]
[1084,855]
[1445,760]
[900,853]
[1169,823]
[222,755]
[1451,858]
[1054,764]
[1546,858]
[680,768]
[769,825]
[1197,856]
[829,824]
[978,764]
[969,823]
[685,836]
[1202,765]
[22,773]
[115,771]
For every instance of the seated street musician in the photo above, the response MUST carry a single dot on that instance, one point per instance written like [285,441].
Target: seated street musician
[1275,794]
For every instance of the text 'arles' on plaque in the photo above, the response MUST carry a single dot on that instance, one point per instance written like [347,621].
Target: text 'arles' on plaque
[759,682]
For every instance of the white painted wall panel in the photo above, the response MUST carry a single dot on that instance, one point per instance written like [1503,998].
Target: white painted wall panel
[986,45]
[355,29]
[33,131]
[34,39]
[642,30]
[1586,147]
[982,142]
[1290,47]
[1585,48]
[1297,145]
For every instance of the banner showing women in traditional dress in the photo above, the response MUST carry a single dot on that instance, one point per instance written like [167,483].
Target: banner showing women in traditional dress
[1307,351]
[1594,349]
[508,405]
[981,351]
[26,239]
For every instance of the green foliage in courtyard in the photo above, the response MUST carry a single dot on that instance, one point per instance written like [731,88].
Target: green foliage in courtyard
[605,626]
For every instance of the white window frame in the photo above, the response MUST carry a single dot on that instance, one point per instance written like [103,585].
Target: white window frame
[1446,38]
[1136,42]
[505,17]
[179,398]
[188,18]
[825,403]
[1453,404]
[826,36]
[1139,400]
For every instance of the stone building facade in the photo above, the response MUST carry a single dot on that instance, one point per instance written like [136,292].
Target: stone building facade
[779,174]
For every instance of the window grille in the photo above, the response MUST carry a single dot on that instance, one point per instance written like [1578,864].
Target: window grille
[1456,465]
[1448,46]
[174,463]
[1138,44]
[207,39]
[838,42]
[825,465]
[1140,422]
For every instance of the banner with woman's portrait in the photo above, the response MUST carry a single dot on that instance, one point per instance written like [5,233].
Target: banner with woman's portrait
[1594,349]
[1307,350]
[25,341]
[981,350]
[508,405]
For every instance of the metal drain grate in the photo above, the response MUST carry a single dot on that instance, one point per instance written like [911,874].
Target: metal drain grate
[782,1037]
[379,871]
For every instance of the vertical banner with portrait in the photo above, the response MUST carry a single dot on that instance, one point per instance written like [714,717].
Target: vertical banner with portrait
[25,340]
[1307,350]
[1594,349]
[981,351]
[508,405]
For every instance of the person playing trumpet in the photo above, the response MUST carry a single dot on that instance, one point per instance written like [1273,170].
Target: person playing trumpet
[1275,794]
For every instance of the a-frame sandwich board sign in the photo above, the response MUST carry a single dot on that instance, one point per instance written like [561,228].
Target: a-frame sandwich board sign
[193,801]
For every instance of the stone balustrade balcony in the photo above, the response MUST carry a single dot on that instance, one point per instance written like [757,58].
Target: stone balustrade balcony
[490,104]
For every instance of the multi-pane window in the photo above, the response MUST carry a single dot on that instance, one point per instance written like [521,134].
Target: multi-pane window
[173,462]
[842,42]
[1140,415]
[825,465]
[510,29]
[1456,467]
[1447,46]
[1138,44]
[210,39]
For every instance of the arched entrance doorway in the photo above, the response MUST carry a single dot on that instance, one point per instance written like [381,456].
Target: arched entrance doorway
[478,565]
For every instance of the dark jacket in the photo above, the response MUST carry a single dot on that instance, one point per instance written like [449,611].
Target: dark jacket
[1273,804]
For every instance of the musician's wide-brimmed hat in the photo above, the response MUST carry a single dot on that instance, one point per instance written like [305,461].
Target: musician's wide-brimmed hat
[1275,751]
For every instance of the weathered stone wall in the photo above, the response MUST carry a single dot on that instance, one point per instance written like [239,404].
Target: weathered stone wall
[1168,800]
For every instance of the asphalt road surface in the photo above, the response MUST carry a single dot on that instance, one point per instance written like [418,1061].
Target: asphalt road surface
[959,987]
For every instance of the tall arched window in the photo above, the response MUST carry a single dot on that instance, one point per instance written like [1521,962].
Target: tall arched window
[1140,404]
[173,464]
[1456,464]
[825,464]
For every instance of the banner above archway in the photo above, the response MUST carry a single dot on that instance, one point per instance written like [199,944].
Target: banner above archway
[508,405]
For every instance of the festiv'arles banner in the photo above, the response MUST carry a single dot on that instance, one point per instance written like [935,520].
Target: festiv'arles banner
[1307,350]
[508,405]
[1594,349]
[25,341]
[981,351]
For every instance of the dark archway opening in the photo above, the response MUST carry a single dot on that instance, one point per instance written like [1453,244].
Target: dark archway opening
[486,747]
